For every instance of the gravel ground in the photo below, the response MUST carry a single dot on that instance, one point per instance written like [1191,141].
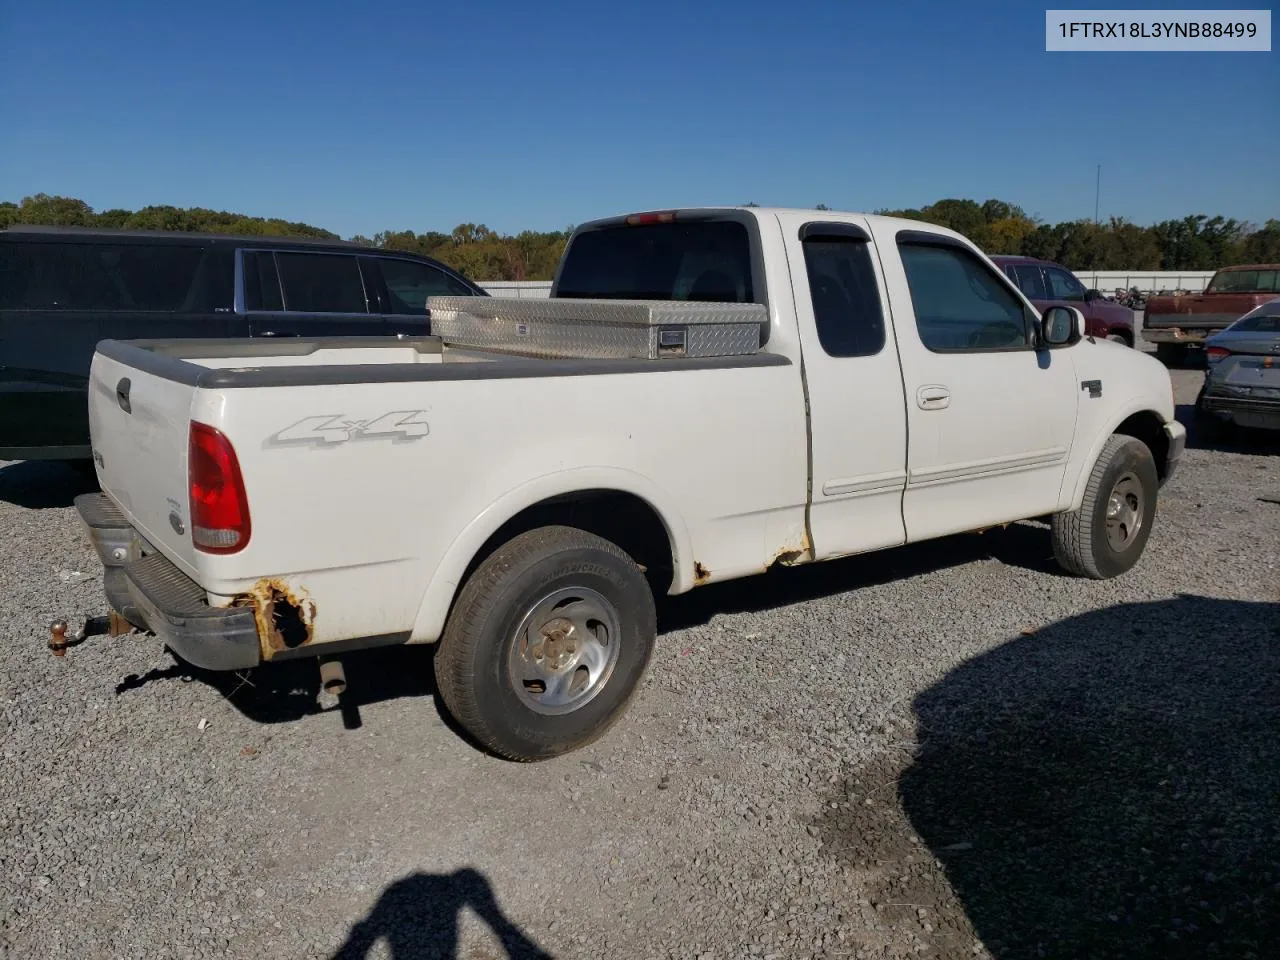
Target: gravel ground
[946,750]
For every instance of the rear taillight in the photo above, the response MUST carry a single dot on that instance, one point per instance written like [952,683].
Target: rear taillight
[219,508]
[1214,354]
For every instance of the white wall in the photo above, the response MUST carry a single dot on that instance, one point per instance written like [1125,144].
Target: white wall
[1104,280]
[523,289]
[1108,280]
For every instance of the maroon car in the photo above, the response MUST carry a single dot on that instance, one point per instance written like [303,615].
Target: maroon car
[1049,284]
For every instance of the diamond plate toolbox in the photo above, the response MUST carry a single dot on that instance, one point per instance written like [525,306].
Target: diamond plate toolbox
[599,329]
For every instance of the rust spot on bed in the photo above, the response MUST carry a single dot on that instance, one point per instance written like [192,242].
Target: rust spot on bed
[700,573]
[285,615]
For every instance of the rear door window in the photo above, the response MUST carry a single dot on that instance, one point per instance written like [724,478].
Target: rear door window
[1029,280]
[701,260]
[321,283]
[99,276]
[846,300]
[409,283]
[261,282]
[1063,285]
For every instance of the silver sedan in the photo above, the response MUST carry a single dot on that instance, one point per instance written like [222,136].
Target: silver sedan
[1242,380]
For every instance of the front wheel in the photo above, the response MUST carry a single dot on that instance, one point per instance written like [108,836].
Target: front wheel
[547,643]
[1107,534]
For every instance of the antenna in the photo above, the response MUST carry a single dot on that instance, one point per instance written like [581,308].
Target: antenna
[1097,196]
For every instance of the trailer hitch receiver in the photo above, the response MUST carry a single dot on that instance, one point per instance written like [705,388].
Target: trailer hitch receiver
[113,625]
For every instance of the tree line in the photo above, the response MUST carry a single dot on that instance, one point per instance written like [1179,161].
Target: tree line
[1198,242]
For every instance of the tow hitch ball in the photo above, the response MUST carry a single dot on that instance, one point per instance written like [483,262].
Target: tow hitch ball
[59,641]
[113,625]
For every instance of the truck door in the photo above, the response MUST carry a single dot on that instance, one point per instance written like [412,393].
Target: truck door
[857,419]
[990,419]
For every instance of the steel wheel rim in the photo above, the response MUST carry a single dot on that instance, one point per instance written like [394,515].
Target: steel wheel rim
[1126,512]
[564,651]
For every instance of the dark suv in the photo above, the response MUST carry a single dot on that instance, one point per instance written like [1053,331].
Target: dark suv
[1049,284]
[62,290]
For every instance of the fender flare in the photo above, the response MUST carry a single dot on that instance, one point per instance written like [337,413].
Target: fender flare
[446,578]
[1131,406]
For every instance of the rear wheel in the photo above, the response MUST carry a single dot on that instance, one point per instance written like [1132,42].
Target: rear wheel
[547,643]
[1106,536]
[1120,338]
[1171,354]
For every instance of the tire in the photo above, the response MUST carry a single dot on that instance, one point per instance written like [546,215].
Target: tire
[1119,338]
[1083,544]
[501,641]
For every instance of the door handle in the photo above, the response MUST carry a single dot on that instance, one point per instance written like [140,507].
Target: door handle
[280,333]
[933,397]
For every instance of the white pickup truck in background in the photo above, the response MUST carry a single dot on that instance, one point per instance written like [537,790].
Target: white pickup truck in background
[708,393]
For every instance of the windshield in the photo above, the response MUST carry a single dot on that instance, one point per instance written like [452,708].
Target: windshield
[1244,281]
[704,260]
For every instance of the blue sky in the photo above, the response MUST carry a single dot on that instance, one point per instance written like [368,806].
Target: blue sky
[402,115]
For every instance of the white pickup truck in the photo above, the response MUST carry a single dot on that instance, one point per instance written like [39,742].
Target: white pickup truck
[708,393]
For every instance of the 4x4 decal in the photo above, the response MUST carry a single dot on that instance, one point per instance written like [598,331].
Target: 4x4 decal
[399,425]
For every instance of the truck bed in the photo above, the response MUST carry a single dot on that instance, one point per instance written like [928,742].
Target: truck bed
[298,362]
[398,459]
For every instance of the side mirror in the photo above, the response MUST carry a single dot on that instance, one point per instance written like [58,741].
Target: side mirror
[1091,295]
[1061,326]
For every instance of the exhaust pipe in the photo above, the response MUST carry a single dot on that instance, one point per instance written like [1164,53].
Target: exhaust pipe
[333,679]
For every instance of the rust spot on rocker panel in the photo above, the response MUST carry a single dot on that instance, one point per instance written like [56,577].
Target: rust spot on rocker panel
[788,555]
[982,530]
[285,615]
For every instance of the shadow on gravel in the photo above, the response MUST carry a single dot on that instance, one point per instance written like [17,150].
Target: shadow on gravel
[417,917]
[1109,787]
[287,691]
[43,484]
[1228,440]
[1026,545]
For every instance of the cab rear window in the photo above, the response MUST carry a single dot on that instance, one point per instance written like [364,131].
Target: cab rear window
[701,260]
[1245,281]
